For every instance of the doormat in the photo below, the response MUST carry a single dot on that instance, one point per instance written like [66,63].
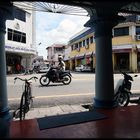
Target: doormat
[69,119]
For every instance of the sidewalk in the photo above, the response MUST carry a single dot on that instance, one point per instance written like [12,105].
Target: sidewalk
[62,109]
[55,110]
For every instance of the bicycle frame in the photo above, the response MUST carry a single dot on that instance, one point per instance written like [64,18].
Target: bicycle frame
[26,98]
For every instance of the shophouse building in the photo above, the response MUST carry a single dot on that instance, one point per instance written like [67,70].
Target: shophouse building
[125,46]
[82,49]
[20,40]
[54,51]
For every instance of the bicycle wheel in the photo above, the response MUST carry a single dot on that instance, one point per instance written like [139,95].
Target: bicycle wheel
[44,80]
[67,80]
[16,113]
[29,97]
[22,107]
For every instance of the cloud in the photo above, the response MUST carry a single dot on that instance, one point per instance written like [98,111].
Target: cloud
[56,28]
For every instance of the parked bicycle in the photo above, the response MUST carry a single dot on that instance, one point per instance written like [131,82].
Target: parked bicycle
[26,99]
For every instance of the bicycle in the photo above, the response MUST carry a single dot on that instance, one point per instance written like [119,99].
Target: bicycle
[26,99]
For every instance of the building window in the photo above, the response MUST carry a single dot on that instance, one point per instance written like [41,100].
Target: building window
[121,31]
[91,39]
[80,44]
[20,14]
[56,50]
[72,47]
[137,30]
[83,42]
[76,46]
[16,36]
[10,34]
[87,41]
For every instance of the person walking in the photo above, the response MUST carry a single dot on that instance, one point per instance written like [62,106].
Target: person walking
[18,68]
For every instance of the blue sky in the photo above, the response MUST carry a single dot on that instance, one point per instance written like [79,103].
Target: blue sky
[56,28]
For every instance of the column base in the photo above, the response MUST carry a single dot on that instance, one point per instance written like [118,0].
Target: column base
[4,114]
[101,104]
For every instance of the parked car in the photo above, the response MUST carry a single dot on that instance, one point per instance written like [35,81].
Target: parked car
[87,68]
[43,69]
[82,68]
[79,68]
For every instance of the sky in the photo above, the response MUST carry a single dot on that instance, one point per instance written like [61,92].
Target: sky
[56,28]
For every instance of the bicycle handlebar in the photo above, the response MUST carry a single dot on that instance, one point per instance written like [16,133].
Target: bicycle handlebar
[25,79]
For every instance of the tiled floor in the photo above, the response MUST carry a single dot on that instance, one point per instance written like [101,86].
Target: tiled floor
[121,122]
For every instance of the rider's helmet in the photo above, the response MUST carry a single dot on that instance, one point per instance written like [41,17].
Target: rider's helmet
[60,58]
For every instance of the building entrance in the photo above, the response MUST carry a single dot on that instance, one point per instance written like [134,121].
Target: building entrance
[11,62]
[138,61]
[122,61]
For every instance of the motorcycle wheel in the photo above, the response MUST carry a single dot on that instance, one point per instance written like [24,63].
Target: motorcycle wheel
[44,81]
[66,80]
[122,99]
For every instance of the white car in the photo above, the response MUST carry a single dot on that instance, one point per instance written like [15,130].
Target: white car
[82,68]
[79,68]
[43,69]
[87,68]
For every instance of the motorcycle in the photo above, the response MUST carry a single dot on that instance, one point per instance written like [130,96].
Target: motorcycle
[123,90]
[50,76]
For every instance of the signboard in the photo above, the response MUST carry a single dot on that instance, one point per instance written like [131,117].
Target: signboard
[20,49]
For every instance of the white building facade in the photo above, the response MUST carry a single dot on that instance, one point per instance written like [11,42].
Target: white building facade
[54,51]
[20,40]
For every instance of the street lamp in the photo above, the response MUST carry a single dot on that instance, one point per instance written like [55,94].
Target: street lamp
[36,44]
[39,43]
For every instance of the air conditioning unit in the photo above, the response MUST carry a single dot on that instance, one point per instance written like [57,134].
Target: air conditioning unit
[137,37]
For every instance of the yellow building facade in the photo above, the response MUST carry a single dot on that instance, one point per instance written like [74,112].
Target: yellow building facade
[125,48]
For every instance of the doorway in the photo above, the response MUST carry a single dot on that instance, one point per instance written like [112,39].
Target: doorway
[122,61]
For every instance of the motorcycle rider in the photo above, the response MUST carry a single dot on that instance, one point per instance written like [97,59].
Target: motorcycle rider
[56,72]
[60,67]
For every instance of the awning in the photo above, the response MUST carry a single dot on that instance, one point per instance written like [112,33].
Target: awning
[88,54]
[79,56]
[72,57]
[138,48]
[66,58]
[122,51]
[121,48]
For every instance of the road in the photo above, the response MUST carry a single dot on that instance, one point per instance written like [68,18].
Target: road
[80,91]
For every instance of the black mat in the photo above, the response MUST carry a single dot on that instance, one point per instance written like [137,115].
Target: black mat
[68,119]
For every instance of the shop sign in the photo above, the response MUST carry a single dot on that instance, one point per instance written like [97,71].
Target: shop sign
[18,49]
